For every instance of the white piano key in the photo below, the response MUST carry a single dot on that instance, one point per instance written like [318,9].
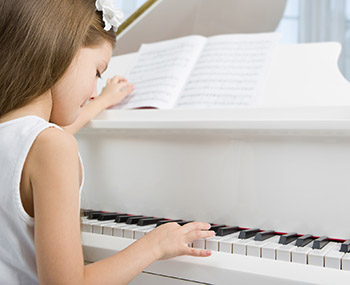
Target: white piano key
[199,243]
[97,227]
[255,248]
[128,232]
[141,231]
[108,229]
[87,224]
[284,252]
[317,256]
[118,229]
[333,258]
[213,243]
[300,254]
[269,250]
[239,246]
[346,261]
[225,244]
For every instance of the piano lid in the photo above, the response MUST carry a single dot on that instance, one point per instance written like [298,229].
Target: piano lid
[159,20]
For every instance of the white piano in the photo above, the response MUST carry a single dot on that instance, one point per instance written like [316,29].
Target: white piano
[282,165]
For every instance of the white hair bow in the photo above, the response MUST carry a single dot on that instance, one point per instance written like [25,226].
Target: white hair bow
[112,16]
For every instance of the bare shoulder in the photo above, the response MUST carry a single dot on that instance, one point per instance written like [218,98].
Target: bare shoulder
[53,149]
[53,141]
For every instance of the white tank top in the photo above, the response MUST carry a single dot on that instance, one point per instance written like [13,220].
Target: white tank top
[17,252]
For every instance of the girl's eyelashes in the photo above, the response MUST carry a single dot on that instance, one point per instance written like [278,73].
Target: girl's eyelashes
[98,74]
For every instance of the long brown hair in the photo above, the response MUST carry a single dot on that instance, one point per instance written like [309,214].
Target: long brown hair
[38,41]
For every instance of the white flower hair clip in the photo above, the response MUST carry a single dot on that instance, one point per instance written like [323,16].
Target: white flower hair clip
[112,16]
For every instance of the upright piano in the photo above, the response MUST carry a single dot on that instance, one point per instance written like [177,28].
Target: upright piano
[273,179]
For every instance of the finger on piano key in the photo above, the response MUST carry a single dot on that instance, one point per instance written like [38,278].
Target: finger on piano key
[317,256]
[333,258]
[255,248]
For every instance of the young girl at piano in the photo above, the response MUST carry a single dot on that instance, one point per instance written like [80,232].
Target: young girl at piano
[51,54]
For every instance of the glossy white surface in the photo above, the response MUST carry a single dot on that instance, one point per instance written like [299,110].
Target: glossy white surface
[220,267]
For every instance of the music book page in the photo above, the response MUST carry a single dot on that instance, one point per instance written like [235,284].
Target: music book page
[198,72]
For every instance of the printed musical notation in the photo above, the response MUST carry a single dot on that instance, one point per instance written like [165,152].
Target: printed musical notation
[160,72]
[228,72]
[199,72]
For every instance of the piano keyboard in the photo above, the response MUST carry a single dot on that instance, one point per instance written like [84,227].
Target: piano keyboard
[326,255]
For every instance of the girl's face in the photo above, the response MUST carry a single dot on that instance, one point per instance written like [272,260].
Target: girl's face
[79,83]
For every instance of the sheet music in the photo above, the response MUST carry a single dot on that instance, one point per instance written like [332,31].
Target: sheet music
[230,71]
[161,71]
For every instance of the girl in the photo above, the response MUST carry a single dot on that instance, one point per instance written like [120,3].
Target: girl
[51,54]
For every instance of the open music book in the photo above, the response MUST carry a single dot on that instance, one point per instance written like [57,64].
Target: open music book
[199,72]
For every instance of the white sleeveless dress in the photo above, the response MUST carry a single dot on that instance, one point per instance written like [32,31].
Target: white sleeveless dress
[17,251]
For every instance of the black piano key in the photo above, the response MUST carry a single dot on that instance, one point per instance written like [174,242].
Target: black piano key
[94,215]
[149,221]
[134,219]
[345,246]
[162,222]
[261,236]
[109,216]
[320,242]
[304,240]
[248,233]
[215,227]
[184,222]
[124,218]
[85,212]
[288,238]
[227,230]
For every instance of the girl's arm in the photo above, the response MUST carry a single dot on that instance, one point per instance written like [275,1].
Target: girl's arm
[115,91]
[53,165]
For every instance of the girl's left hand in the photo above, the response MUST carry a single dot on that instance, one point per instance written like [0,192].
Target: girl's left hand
[117,88]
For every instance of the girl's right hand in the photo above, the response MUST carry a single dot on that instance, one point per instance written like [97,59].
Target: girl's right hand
[171,239]
[116,89]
